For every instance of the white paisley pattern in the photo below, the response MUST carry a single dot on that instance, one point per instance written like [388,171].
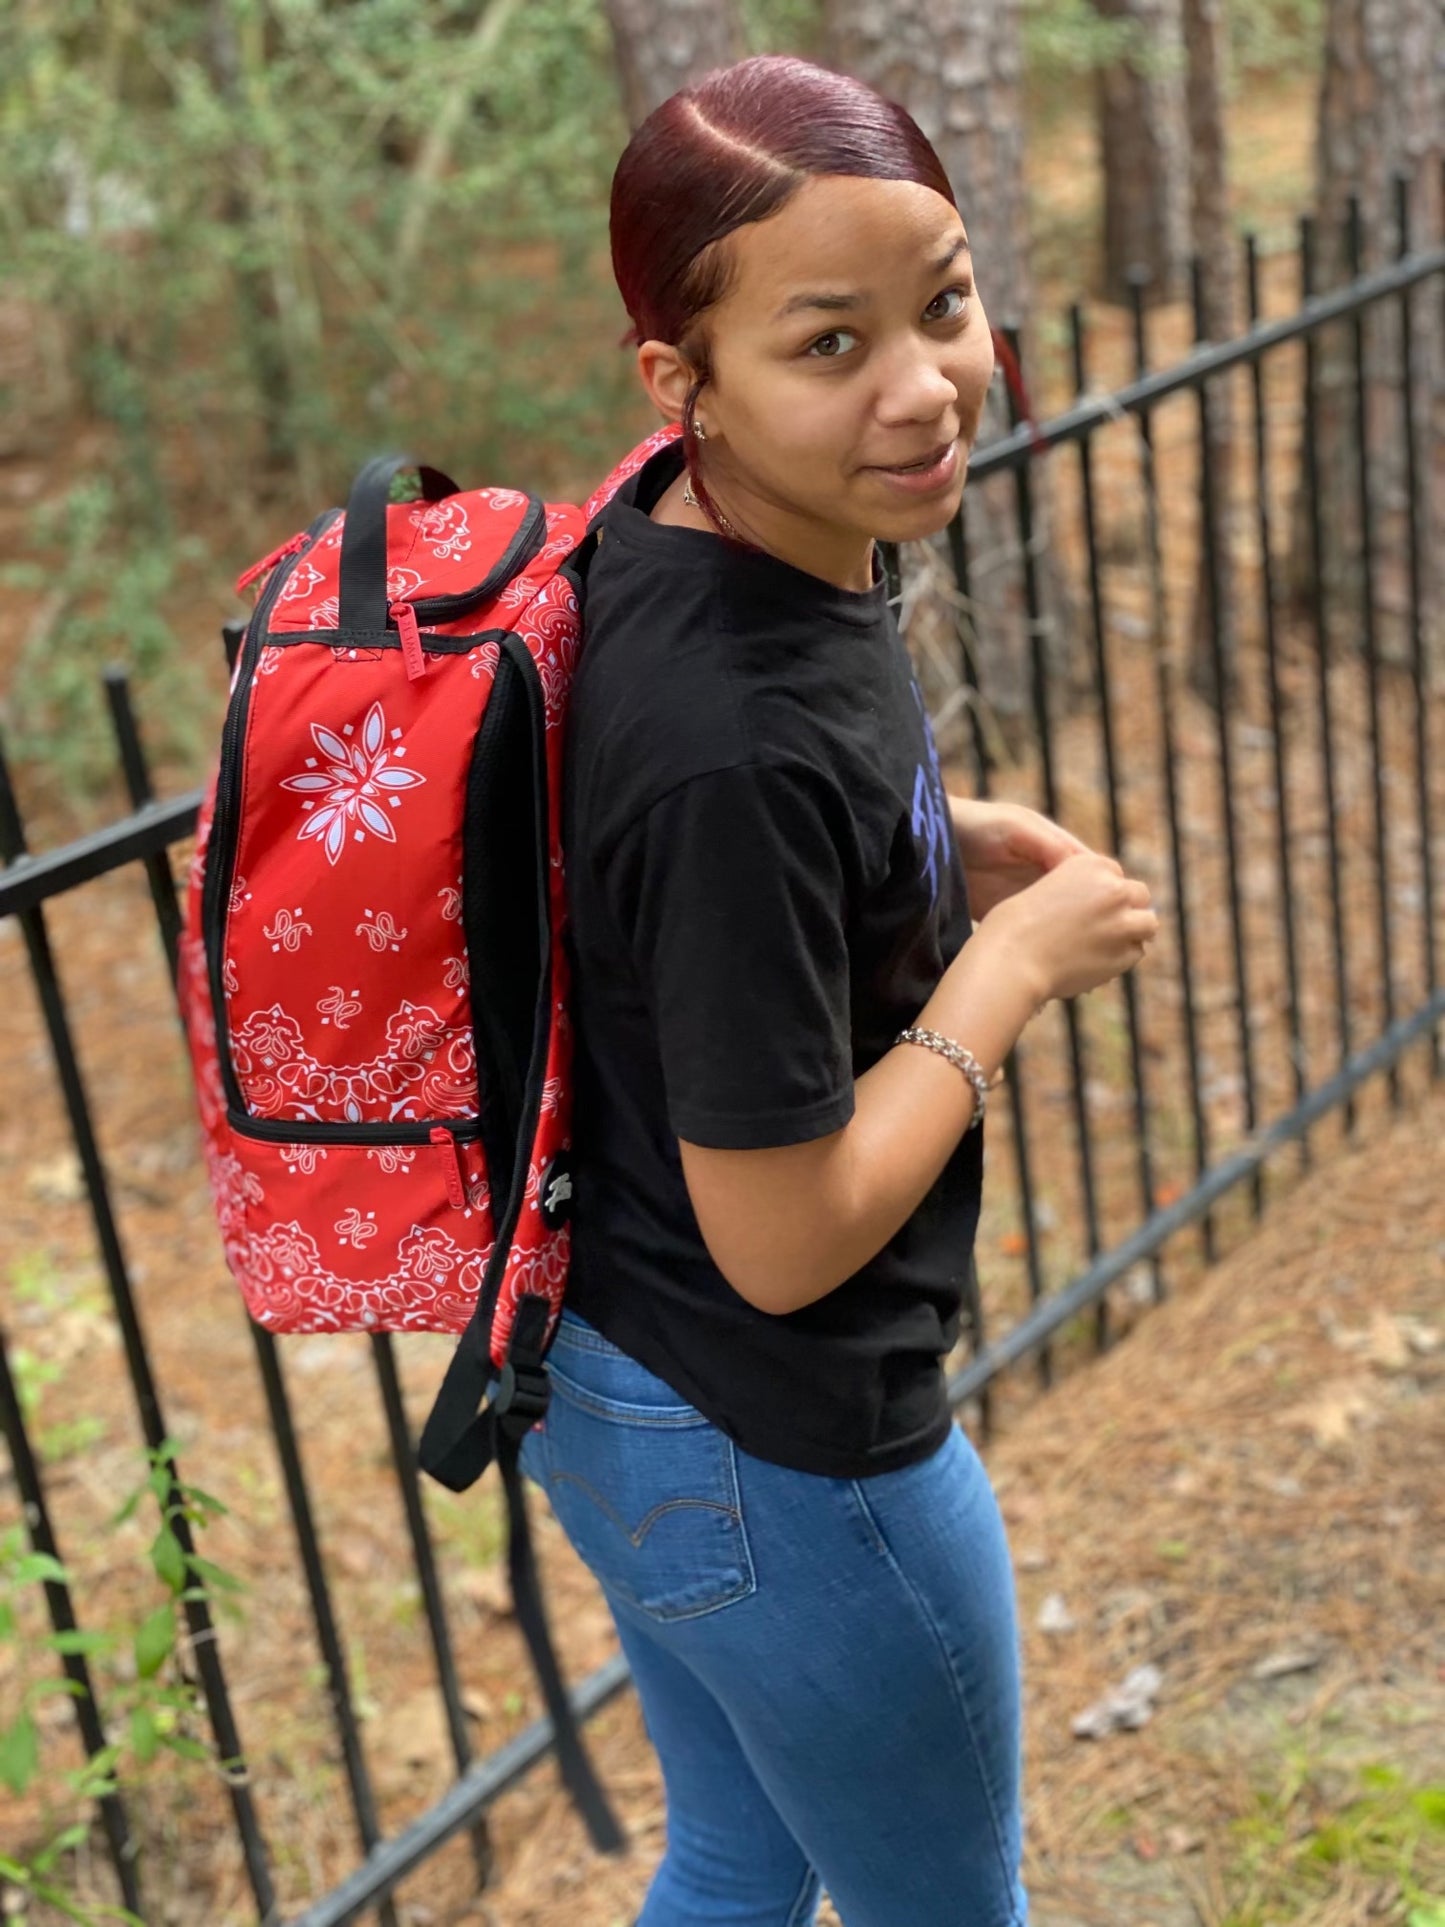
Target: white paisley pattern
[431,1285]
[443,527]
[427,1064]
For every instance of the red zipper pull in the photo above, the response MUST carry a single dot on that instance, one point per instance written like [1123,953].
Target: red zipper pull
[404,616]
[451,1153]
[248,576]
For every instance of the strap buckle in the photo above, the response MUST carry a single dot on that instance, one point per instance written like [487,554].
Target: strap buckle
[521,1397]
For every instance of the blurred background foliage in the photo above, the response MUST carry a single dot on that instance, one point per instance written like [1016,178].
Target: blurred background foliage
[247,242]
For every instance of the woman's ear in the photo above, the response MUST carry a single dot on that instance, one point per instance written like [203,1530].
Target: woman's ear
[667,375]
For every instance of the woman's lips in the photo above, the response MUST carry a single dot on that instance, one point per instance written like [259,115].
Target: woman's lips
[936,472]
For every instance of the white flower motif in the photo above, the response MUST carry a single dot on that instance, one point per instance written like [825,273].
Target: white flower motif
[358,777]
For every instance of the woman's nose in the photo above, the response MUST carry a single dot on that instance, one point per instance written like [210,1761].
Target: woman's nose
[916,388]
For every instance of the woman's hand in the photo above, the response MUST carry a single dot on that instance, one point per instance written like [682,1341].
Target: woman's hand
[1005,847]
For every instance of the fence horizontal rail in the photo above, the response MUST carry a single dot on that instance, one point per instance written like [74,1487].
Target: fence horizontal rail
[1020,444]
[29,881]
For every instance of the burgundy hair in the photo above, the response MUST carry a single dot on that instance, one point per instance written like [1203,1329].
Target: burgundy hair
[731,149]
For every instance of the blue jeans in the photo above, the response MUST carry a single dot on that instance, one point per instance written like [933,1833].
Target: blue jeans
[828,1668]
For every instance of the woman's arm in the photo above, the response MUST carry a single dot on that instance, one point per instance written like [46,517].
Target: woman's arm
[1005,847]
[787,1225]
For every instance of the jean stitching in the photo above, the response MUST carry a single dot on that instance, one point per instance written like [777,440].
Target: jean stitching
[876,1539]
[805,1901]
[651,1518]
[620,1408]
[747,1582]
[569,1337]
[745,1544]
[958,1693]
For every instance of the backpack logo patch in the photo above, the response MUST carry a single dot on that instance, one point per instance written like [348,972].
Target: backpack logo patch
[555,1188]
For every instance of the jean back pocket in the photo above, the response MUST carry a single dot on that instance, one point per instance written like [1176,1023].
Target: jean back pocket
[645,1488]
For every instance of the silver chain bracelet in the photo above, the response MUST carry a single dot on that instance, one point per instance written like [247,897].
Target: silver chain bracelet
[956,1054]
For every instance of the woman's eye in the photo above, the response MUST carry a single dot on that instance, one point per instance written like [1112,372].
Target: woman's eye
[956,313]
[827,347]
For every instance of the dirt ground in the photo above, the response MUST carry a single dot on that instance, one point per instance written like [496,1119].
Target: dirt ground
[1245,1494]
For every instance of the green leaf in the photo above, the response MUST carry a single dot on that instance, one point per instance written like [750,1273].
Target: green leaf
[127,1511]
[195,1496]
[168,1559]
[53,1897]
[48,1688]
[40,1565]
[1430,1913]
[67,1838]
[97,1777]
[1429,1803]
[215,1575]
[143,1735]
[74,1640]
[19,1754]
[154,1640]
[7,1620]
[188,1748]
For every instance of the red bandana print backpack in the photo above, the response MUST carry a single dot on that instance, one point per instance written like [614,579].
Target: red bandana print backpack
[373,979]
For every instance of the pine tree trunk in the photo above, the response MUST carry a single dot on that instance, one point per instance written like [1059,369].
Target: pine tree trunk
[956,65]
[1144,152]
[1381,114]
[262,328]
[662,45]
[1214,247]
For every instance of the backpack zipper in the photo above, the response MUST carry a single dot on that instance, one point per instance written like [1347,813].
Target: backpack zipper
[522,549]
[257,569]
[421,1131]
[221,853]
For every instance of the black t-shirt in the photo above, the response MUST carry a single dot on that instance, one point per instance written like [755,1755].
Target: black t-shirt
[764,888]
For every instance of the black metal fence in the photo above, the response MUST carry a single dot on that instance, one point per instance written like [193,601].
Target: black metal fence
[1290,832]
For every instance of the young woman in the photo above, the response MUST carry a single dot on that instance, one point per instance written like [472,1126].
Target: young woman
[776,1189]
